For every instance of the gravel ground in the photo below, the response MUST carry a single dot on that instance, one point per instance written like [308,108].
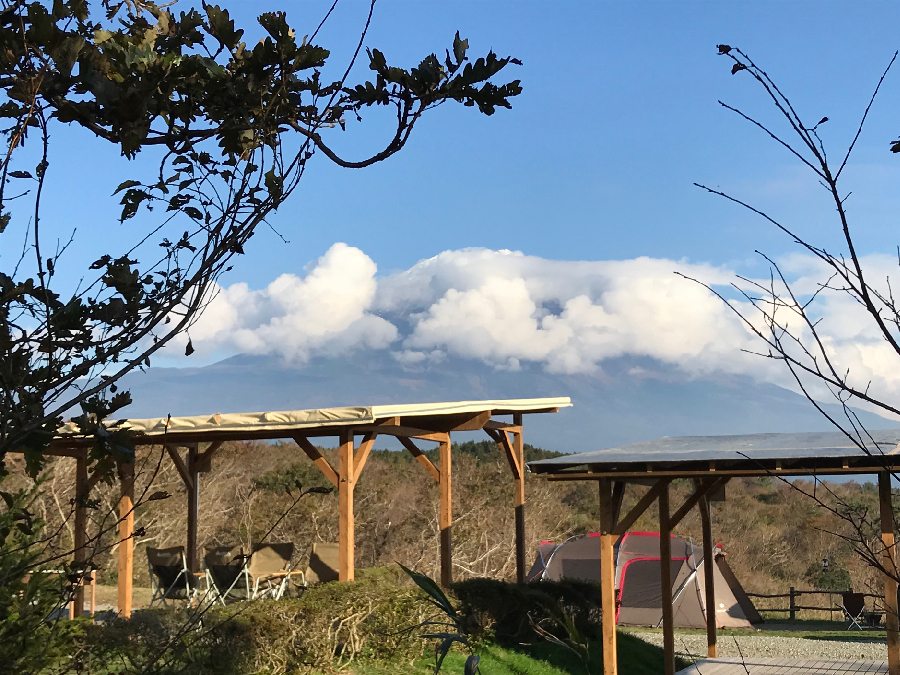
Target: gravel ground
[693,647]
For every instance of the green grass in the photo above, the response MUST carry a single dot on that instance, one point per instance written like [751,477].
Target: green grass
[636,657]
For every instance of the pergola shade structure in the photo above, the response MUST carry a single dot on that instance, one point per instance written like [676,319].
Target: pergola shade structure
[356,429]
[711,461]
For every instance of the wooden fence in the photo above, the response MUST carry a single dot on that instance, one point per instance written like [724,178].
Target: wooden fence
[794,595]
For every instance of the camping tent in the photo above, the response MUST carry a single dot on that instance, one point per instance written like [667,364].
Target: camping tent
[638,584]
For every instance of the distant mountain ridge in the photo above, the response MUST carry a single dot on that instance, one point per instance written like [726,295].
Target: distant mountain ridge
[632,400]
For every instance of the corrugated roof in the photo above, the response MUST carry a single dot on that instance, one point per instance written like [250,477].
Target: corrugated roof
[325,417]
[673,452]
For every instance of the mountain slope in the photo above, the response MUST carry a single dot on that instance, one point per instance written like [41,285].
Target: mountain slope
[632,400]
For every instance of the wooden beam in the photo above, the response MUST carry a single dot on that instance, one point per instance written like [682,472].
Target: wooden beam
[446,513]
[501,438]
[618,494]
[80,543]
[346,529]
[180,465]
[701,489]
[399,431]
[469,421]
[388,421]
[665,569]
[494,425]
[365,447]
[126,539]
[518,448]
[638,509]
[891,618]
[709,588]
[313,453]
[607,582]
[204,459]
[421,458]
[193,510]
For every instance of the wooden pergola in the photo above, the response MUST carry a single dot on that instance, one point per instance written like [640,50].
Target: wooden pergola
[711,461]
[192,442]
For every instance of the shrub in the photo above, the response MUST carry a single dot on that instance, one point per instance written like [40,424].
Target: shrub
[327,627]
[836,578]
[506,612]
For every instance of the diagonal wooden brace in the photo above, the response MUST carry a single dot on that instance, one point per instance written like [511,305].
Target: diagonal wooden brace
[181,466]
[501,438]
[702,488]
[638,509]
[313,453]
[421,458]
[365,447]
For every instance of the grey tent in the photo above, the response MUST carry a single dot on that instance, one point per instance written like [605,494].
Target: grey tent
[638,588]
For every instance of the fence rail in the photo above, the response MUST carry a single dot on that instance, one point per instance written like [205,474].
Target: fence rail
[792,597]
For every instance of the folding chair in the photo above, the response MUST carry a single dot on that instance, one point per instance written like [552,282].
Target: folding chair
[853,605]
[225,578]
[323,564]
[170,578]
[269,568]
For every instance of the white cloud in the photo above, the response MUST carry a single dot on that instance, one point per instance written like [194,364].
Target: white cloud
[504,308]
[325,311]
[508,309]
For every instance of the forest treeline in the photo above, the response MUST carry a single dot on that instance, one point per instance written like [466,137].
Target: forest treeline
[775,536]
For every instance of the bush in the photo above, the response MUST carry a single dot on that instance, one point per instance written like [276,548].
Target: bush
[375,618]
[506,612]
[837,578]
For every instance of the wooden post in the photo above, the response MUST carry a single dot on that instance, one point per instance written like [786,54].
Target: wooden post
[346,531]
[792,604]
[891,619]
[446,515]
[80,539]
[126,539]
[665,569]
[607,581]
[709,590]
[193,509]
[519,501]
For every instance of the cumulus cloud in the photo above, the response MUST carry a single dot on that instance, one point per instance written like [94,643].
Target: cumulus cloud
[325,311]
[508,309]
[505,308]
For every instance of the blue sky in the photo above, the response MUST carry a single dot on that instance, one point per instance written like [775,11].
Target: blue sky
[618,119]
[595,162]
[597,158]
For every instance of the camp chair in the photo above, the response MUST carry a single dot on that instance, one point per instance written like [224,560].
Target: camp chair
[853,605]
[170,578]
[224,573]
[269,569]
[323,564]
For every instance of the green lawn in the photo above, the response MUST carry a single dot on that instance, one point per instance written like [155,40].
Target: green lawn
[635,658]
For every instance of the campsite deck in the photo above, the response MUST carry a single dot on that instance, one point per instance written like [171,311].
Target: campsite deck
[781,666]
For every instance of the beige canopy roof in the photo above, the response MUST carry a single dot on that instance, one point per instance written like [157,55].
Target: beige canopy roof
[273,424]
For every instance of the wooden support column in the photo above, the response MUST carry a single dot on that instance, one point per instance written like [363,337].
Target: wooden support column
[193,509]
[709,589]
[346,531]
[891,619]
[607,580]
[519,500]
[126,539]
[80,539]
[446,514]
[665,569]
